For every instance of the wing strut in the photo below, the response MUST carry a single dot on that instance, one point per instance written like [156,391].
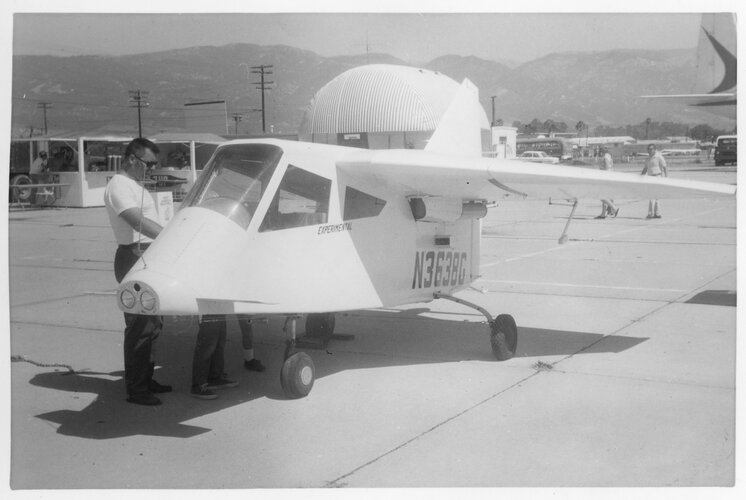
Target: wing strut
[563,238]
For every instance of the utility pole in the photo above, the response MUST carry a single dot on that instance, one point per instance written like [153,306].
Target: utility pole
[44,106]
[493,109]
[262,70]
[139,98]
[237,117]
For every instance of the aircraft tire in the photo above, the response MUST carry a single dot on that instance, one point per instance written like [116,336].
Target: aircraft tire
[297,375]
[320,325]
[22,195]
[504,337]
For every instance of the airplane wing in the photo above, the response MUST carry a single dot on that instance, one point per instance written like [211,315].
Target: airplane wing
[420,173]
[697,99]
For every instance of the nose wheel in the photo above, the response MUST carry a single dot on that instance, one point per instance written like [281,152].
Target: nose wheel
[298,372]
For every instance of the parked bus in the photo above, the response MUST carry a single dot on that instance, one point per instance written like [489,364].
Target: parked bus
[559,148]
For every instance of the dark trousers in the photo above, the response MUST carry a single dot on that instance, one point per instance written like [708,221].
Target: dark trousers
[140,331]
[209,351]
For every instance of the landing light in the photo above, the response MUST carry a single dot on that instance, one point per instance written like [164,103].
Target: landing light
[147,300]
[127,299]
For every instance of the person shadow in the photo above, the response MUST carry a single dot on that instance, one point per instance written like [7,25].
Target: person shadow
[376,339]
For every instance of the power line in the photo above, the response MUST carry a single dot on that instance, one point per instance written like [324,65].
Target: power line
[262,70]
[44,105]
[139,97]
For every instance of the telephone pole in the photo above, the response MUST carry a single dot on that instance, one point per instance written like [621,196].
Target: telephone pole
[493,109]
[262,70]
[237,117]
[139,98]
[44,106]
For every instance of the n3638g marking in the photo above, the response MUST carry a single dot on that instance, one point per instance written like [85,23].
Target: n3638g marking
[439,268]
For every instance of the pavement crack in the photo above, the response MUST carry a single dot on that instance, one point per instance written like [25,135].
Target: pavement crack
[338,482]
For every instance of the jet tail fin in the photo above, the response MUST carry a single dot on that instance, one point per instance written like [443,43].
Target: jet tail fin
[459,130]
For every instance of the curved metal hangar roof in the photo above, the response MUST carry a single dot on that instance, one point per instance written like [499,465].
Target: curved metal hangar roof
[381,98]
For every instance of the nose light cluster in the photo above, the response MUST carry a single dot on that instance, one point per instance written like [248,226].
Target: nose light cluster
[137,298]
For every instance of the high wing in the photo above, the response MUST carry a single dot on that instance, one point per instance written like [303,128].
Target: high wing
[420,173]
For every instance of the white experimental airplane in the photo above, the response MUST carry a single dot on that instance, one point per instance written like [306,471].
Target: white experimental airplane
[277,227]
[716,68]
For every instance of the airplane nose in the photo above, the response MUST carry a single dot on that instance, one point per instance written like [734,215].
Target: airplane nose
[150,293]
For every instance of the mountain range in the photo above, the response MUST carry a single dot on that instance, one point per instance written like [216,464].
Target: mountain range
[91,93]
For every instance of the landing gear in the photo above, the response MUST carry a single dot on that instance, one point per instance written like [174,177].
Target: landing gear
[503,337]
[503,330]
[298,373]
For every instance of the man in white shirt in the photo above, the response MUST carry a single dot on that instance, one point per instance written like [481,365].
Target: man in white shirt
[134,219]
[655,165]
[39,165]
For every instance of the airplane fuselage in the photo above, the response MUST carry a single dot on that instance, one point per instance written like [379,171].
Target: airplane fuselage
[297,235]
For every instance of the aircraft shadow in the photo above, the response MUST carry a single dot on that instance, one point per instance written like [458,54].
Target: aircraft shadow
[381,339]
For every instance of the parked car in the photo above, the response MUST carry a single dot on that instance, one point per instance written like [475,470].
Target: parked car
[538,157]
[726,150]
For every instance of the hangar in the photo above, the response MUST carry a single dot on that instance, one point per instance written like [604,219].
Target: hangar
[381,106]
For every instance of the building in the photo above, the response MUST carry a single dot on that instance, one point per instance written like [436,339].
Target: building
[381,106]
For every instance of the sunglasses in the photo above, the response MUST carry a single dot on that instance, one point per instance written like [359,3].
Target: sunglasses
[149,164]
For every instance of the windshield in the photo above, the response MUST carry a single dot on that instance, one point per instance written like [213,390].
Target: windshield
[235,180]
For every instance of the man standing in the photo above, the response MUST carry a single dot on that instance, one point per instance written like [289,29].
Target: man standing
[39,166]
[134,219]
[655,165]
[607,206]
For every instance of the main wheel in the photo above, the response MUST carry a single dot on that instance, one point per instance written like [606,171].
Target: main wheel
[297,375]
[504,337]
[21,195]
[320,325]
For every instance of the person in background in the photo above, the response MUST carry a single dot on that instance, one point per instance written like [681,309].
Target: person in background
[247,342]
[655,165]
[39,165]
[134,219]
[607,206]
[208,362]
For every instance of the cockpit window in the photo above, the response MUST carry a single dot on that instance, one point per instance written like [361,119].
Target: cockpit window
[359,205]
[301,200]
[235,180]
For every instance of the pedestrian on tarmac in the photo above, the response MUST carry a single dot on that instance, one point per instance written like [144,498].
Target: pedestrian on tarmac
[607,206]
[208,363]
[134,220]
[655,165]
[247,342]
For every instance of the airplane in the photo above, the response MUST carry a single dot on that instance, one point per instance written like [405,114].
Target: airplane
[716,55]
[276,227]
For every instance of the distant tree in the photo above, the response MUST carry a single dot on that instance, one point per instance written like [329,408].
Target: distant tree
[704,132]
[517,124]
[549,126]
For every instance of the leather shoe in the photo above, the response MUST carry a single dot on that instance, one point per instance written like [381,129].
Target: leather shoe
[157,388]
[145,399]
[254,365]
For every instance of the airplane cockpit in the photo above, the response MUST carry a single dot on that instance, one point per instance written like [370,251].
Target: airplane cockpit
[237,178]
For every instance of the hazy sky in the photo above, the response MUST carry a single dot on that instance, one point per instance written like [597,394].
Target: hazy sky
[413,37]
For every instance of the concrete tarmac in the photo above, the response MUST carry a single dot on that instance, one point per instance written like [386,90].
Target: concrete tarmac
[624,375]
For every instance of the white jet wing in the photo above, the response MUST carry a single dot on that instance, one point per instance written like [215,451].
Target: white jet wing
[422,173]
